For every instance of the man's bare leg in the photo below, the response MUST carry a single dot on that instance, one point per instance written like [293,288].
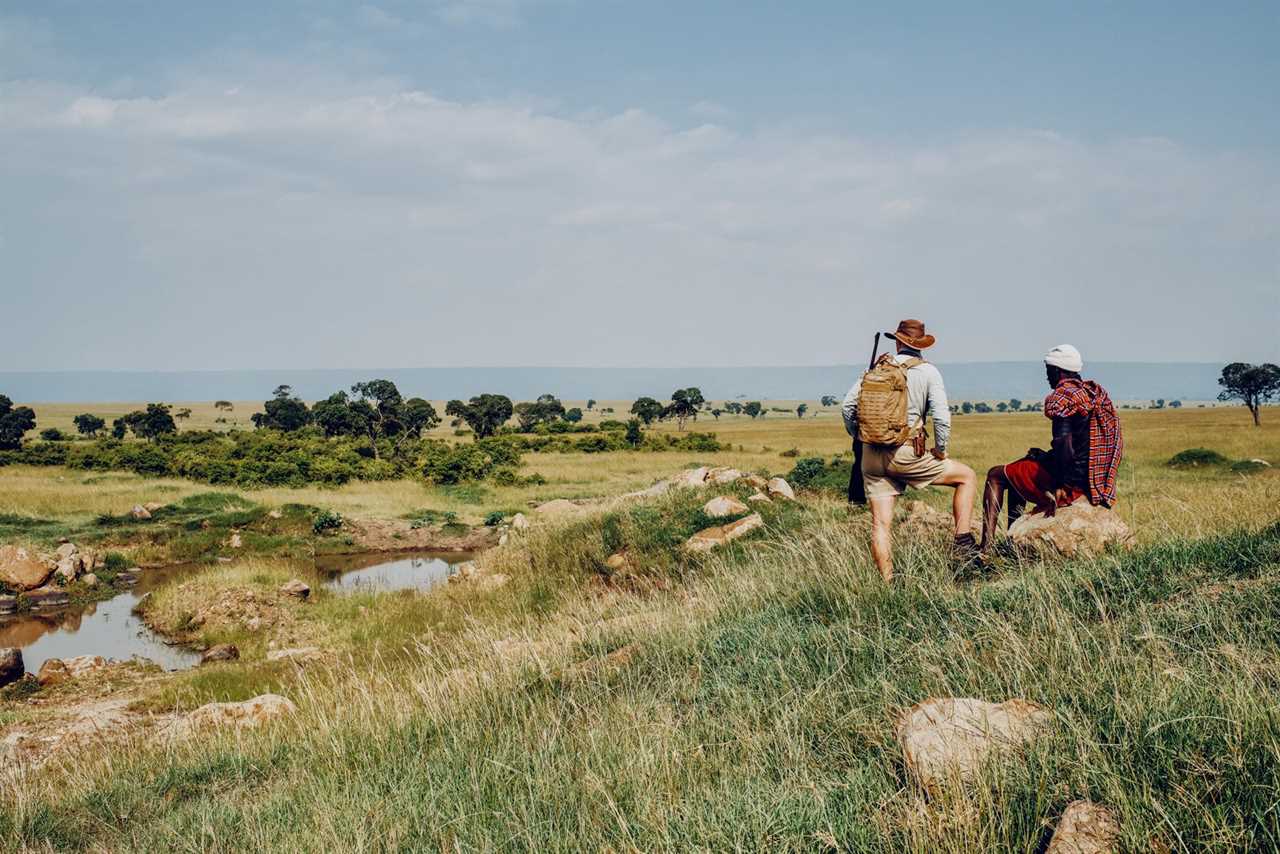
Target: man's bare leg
[882,534]
[992,499]
[960,477]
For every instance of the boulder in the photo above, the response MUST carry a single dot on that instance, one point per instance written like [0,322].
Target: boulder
[691,477]
[11,667]
[756,481]
[1085,828]
[519,522]
[68,568]
[710,538]
[22,569]
[1080,530]
[220,652]
[43,598]
[140,512]
[296,587]
[557,507]
[921,520]
[721,476]
[66,550]
[53,672]
[949,738]
[249,713]
[779,488]
[724,505]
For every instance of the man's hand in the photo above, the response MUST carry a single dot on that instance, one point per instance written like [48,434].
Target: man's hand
[938,455]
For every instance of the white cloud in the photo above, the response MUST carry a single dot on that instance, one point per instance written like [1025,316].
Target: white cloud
[463,233]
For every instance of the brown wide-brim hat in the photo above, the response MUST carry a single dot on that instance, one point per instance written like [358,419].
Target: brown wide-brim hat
[911,333]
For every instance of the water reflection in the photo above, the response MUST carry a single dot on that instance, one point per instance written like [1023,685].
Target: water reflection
[377,573]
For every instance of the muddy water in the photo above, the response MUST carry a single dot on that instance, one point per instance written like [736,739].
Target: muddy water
[111,629]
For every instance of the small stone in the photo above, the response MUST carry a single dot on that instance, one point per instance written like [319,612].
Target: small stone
[710,538]
[220,652]
[691,477]
[721,476]
[760,497]
[276,514]
[722,506]
[296,587]
[89,580]
[66,550]
[756,481]
[298,655]
[152,506]
[236,542]
[557,507]
[502,541]
[1085,828]
[949,738]
[140,512]
[68,568]
[779,488]
[519,522]
[53,672]
[11,667]
[616,561]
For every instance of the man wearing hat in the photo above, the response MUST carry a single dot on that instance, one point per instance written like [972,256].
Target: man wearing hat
[1082,462]
[888,470]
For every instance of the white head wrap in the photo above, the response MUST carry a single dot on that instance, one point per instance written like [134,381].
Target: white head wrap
[1066,357]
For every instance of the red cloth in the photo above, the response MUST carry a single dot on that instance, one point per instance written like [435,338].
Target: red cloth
[1032,480]
[1106,444]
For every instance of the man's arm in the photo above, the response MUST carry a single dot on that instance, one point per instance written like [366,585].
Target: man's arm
[849,409]
[1061,452]
[940,410]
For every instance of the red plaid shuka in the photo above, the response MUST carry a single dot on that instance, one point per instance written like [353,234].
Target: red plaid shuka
[1084,397]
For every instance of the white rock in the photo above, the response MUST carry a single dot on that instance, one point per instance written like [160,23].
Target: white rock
[779,488]
[760,497]
[296,587]
[140,512]
[949,738]
[250,713]
[1081,530]
[1085,828]
[557,507]
[236,542]
[519,522]
[692,477]
[89,580]
[66,550]
[724,505]
[68,568]
[22,569]
[710,538]
[721,476]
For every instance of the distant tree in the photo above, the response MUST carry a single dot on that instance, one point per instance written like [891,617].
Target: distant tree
[484,414]
[966,407]
[119,428]
[1158,403]
[1175,404]
[544,410]
[801,410]
[284,412]
[733,407]
[88,425]
[982,406]
[14,422]
[684,405]
[416,416]
[573,416]
[590,405]
[752,408]
[334,416]
[646,409]
[379,409]
[182,414]
[225,405]
[829,400]
[716,413]
[52,434]
[634,434]
[1002,406]
[1252,384]
[1014,404]
[150,423]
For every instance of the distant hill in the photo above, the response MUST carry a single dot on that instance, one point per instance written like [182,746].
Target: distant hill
[970,380]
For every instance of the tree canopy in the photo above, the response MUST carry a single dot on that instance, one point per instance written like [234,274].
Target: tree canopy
[752,408]
[646,409]
[484,414]
[1254,385]
[684,405]
[544,410]
[284,411]
[89,425]
[14,422]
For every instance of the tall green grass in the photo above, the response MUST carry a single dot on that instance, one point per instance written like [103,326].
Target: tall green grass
[756,712]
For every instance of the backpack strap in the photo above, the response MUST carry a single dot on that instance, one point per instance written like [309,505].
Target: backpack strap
[912,362]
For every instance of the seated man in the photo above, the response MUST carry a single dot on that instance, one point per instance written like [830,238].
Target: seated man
[1083,459]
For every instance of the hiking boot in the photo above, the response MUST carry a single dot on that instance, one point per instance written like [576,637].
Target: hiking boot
[964,551]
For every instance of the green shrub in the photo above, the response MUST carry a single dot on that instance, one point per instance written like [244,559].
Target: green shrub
[806,471]
[1193,457]
[327,520]
[494,519]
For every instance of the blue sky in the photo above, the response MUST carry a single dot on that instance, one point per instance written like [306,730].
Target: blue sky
[480,182]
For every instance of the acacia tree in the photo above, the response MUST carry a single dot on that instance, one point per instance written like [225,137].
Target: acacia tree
[829,400]
[224,405]
[801,410]
[590,404]
[285,412]
[646,409]
[1252,384]
[684,405]
[150,423]
[544,410]
[88,425]
[416,416]
[733,407]
[14,422]
[484,413]
[716,413]
[752,408]
[377,405]
[573,416]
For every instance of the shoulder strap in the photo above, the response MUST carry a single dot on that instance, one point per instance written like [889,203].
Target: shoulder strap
[912,362]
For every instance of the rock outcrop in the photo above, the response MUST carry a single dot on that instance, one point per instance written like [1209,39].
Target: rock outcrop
[710,538]
[724,506]
[948,739]
[1080,530]
[22,569]
[1085,828]
[250,713]
[11,667]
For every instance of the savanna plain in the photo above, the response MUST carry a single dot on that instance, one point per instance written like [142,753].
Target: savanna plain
[740,699]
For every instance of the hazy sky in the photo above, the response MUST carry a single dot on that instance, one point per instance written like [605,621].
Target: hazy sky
[598,182]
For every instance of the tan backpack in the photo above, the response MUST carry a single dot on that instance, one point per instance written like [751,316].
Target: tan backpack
[882,402]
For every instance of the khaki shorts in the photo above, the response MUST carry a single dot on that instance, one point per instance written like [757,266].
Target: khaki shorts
[889,471]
